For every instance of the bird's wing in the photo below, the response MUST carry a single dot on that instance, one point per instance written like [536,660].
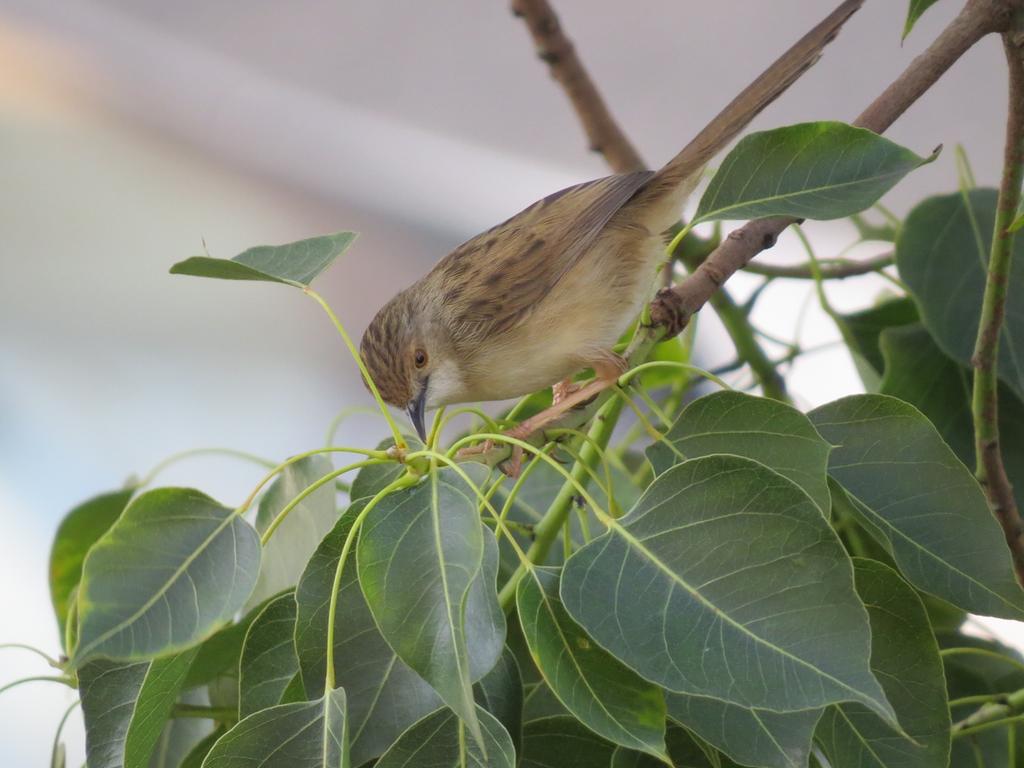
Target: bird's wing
[491,282]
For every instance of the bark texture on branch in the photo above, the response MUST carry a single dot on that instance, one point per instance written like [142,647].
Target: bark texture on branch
[557,50]
[990,471]
[674,306]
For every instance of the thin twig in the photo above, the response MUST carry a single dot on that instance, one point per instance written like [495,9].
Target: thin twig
[833,269]
[674,306]
[557,50]
[985,403]
[991,715]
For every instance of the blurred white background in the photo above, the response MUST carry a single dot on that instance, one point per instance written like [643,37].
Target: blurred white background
[132,130]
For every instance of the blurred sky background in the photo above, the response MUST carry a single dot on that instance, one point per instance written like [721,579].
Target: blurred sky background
[133,130]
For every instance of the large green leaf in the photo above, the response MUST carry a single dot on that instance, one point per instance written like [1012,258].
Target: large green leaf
[78,531]
[268,661]
[914,12]
[384,695]
[173,568]
[942,254]
[921,501]
[564,742]
[292,544]
[749,736]
[125,707]
[604,694]
[917,371]
[726,581]
[293,264]
[308,734]
[759,428]
[824,170]
[420,551]
[905,657]
[500,692]
[434,742]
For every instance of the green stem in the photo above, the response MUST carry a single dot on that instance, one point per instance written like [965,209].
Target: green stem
[634,371]
[31,648]
[946,653]
[344,413]
[174,458]
[382,455]
[38,678]
[309,489]
[989,469]
[402,482]
[546,531]
[60,730]
[399,440]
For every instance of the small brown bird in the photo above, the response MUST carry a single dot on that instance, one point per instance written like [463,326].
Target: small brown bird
[530,302]
[536,299]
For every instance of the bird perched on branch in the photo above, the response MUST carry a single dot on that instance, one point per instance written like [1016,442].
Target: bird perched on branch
[547,293]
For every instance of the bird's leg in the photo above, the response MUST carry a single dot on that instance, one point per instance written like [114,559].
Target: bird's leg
[607,370]
[562,390]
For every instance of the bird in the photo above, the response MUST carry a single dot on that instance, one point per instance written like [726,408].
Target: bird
[547,293]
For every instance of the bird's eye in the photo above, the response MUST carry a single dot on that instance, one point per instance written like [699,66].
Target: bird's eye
[420,358]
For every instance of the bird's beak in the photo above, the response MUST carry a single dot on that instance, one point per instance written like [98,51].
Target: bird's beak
[415,411]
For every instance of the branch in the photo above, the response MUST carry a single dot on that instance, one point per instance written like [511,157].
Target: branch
[985,404]
[557,50]
[835,269]
[673,307]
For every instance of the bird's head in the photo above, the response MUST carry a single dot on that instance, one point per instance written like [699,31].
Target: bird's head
[408,355]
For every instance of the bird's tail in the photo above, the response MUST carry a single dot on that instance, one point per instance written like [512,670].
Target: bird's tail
[661,199]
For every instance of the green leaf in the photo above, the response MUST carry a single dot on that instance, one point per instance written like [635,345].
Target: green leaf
[181,736]
[905,657]
[125,707]
[384,695]
[500,692]
[220,652]
[604,694]
[292,544]
[863,331]
[917,371]
[759,428]
[268,661]
[683,752]
[420,551]
[194,759]
[925,505]
[824,170]
[565,737]
[293,264]
[749,736]
[173,568]
[942,254]
[78,531]
[540,702]
[726,581]
[434,742]
[914,12]
[308,734]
